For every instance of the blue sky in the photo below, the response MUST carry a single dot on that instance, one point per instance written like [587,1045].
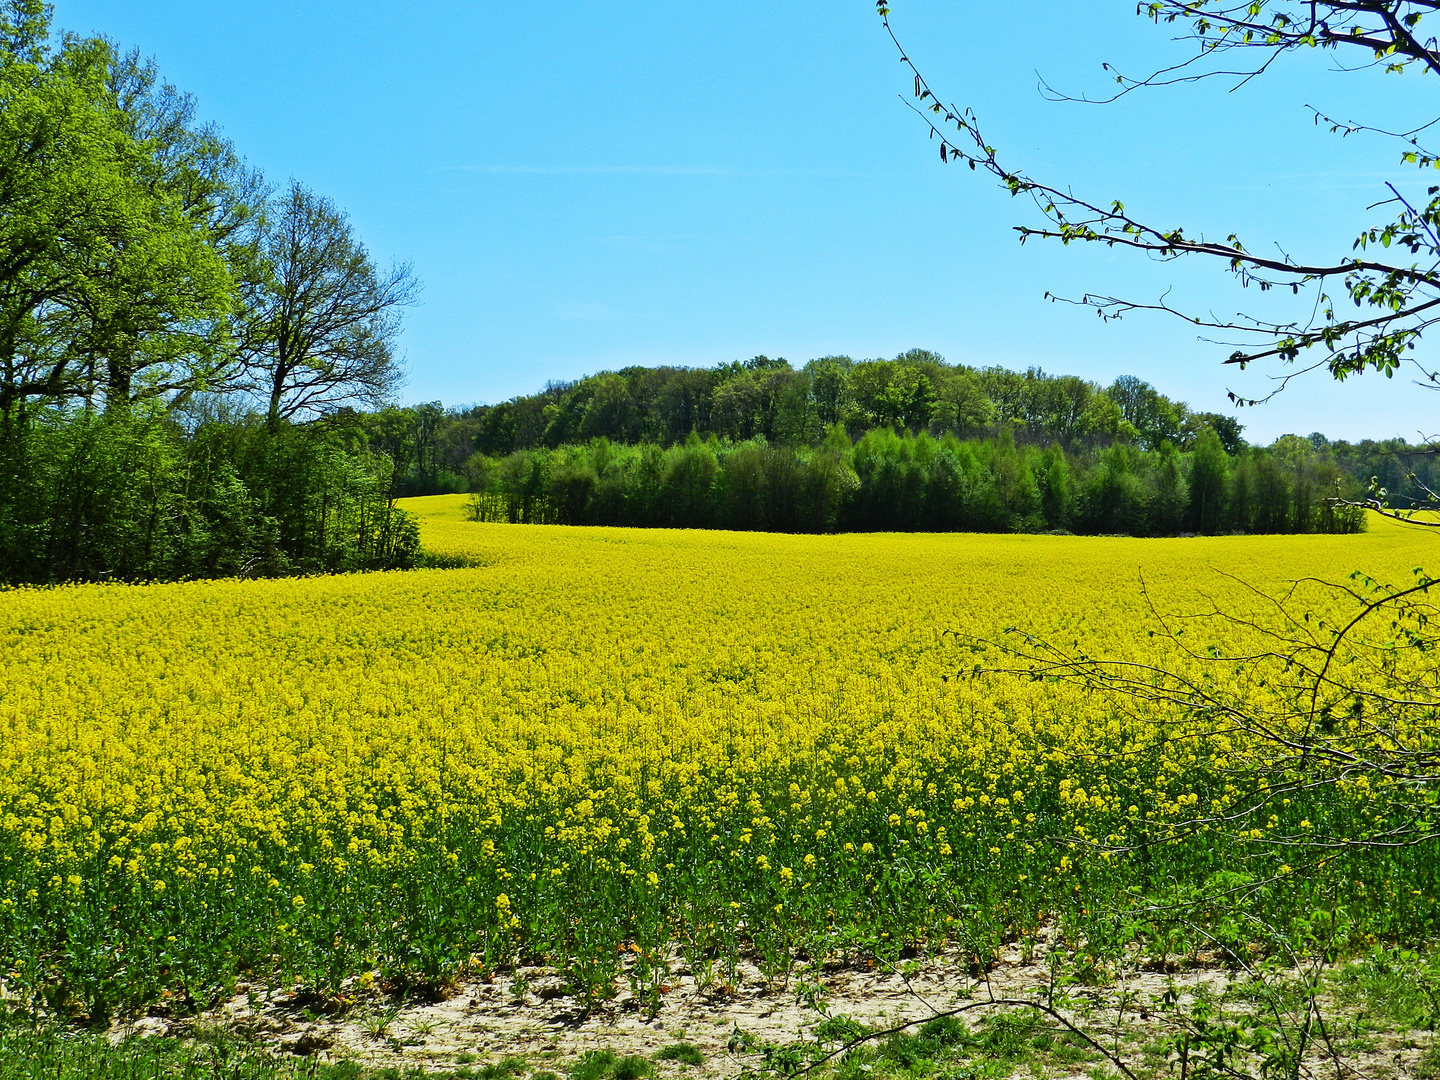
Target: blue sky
[586,185]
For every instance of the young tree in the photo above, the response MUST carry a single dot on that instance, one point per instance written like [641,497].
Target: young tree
[1171,499]
[1056,497]
[1209,480]
[321,321]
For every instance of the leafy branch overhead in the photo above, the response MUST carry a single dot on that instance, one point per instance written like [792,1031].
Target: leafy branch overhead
[1391,275]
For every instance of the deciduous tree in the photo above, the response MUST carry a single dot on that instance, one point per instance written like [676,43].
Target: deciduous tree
[107,259]
[322,320]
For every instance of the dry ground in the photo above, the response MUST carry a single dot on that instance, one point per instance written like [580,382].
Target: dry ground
[486,1021]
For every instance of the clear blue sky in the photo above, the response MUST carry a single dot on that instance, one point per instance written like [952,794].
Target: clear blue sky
[585,185]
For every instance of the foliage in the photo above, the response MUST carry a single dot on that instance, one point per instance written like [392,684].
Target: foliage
[322,321]
[141,260]
[130,495]
[437,451]
[904,483]
[765,398]
[684,1052]
[107,270]
[146,275]
[50,1053]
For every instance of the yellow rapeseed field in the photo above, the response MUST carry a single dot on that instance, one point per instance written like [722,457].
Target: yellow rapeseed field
[590,745]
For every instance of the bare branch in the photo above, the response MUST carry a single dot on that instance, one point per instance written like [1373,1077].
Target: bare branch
[1402,296]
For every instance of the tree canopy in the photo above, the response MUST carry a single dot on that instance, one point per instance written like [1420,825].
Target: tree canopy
[323,319]
[153,291]
[142,259]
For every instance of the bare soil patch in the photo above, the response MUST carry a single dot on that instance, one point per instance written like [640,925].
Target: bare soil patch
[488,1020]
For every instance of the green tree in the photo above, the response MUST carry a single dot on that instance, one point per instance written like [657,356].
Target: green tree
[609,410]
[1209,482]
[689,486]
[963,406]
[766,399]
[105,268]
[830,481]
[1114,498]
[1057,499]
[570,483]
[167,323]
[830,388]
[1227,428]
[1058,407]
[1155,418]
[683,404]
[1171,498]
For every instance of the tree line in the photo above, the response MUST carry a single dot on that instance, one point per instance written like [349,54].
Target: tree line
[768,399]
[1131,455]
[889,481]
[172,326]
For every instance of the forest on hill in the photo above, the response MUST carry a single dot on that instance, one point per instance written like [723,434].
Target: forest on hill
[910,443]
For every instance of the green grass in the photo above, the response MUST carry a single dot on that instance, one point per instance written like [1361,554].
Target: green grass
[503,1069]
[55,1054]
[684,1053]
[946,1047]
[607,1065]
[1400,987]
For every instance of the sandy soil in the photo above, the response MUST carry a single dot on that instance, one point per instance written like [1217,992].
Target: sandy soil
[485,1021]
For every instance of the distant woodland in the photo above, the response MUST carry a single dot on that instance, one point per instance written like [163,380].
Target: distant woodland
[911,443]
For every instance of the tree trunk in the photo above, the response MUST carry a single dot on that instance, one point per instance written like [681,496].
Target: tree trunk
[277,393]
[118,380]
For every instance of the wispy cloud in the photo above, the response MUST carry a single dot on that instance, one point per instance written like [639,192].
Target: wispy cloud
[593,170]
[592,312]
[654,170]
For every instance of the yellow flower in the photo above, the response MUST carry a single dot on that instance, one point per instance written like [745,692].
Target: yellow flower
[551,716]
